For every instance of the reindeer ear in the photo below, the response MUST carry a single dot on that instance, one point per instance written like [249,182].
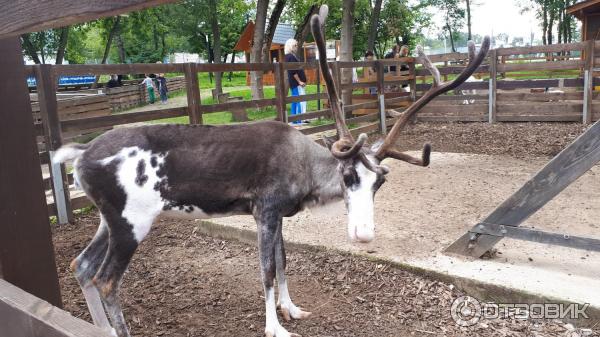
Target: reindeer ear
[329,141]
[377,145]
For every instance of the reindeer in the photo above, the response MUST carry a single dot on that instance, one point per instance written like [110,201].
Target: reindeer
[266,169]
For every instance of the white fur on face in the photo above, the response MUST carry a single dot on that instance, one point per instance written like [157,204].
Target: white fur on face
[361,226]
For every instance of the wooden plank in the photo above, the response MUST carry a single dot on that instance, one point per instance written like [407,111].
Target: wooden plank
[541,66]
[125,118]
[224,67]
[554,48]
[560,172]
[102,69]
[540,97]
[77,202]
[280,93]
[538,236]
[493,83]
[21,16]
[46,84]
[450,70]
[539,118]
[588,83]
[24,315]
[309,115]
[305,98]
[540,108]
[193,94]
[23,215]
[299,65]
[436,119]
[256,103]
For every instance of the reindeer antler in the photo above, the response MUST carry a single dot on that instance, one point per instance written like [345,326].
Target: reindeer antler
[345,147]
[386,150]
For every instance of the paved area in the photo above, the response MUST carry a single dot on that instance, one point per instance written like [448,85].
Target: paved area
[420,211]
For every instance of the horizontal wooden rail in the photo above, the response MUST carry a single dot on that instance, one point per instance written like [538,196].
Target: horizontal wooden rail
[304,98]
[541,66]
[554,48]
[125,118]
[226,67]
[310,115]
[101,69]
[257,103]
[300,65]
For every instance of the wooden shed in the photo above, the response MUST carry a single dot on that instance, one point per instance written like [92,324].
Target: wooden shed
[283,32]
[589,14]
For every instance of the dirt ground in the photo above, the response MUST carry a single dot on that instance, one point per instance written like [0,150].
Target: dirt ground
[184,284]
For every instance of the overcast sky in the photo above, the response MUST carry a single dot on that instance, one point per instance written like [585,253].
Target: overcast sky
[501,16]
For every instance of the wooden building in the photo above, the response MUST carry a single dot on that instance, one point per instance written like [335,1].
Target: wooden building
[283,32]
[589,14]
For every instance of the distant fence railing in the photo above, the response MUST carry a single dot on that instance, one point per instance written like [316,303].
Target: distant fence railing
[498,97]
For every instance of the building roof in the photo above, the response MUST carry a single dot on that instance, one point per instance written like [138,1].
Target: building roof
[283,32]
[580,9]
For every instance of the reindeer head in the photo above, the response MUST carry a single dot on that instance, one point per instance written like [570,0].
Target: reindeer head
[359,163]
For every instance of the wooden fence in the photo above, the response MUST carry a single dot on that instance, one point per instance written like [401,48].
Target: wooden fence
[514,83]
[497,99]
[133,94]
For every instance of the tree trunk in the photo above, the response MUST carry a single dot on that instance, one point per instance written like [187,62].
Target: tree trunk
[544,23]
[273,22]
[449,28]
[373,25]
[111,35]
[346,46]
[469,36]
[551,18]
[304,29]
[232,62]
[120,46]
[30,49]
[256,83]
[214,23]
[62,45]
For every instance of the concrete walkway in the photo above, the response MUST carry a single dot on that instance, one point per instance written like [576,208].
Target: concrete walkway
[419,212]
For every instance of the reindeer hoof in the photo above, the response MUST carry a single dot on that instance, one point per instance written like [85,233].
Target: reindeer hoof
[286,314]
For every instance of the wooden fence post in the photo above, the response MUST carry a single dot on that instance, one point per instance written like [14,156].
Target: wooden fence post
[280,92]
[588,82]
[27,254]
[46,87]
[413,81]
[381,96]
[193,93]
[492,108]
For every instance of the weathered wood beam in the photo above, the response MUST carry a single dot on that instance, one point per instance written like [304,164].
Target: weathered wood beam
[22,16]
[26,251]
[560,172]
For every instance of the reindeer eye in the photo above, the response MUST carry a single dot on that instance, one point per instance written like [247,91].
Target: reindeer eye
[351,178]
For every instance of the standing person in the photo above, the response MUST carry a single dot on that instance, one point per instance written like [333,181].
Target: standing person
[162,88]
[150,87]
[296,77]
[370,73]
[404,67]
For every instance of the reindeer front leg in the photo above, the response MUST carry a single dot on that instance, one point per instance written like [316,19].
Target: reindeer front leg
[288,309]
[268,223]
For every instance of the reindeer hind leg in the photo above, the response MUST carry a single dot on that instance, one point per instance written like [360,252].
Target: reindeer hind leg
[85,267]
[121,247]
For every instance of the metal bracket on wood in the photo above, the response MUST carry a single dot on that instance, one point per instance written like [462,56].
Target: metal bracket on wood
[560,172]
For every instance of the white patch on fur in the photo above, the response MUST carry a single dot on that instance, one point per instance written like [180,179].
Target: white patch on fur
[272,325]
[285,302]
[66,153]
[361,226]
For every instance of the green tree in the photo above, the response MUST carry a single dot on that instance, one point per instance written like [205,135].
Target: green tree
[454,16]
